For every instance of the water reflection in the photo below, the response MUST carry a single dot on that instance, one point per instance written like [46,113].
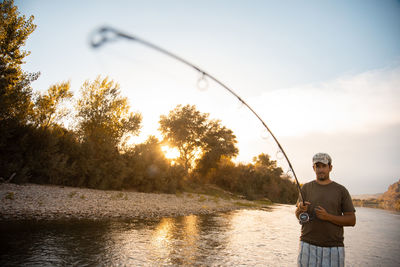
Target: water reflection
[190,239]
[184,240]
[246,237]
[169,241]
[162,238]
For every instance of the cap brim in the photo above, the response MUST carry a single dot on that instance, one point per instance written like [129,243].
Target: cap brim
[321,161]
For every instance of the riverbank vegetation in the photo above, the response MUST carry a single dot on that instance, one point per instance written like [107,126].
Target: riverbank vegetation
[57,137]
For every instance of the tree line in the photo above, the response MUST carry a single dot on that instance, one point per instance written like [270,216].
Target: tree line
[36,146]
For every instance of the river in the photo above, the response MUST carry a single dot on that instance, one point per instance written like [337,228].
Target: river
[244,237]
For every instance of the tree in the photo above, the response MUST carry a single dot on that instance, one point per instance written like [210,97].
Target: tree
[48,110]
[184,128]
[103,118]
[15,90]
[198,139]
[218,142]
[103,114]
[264,163]
[151,170]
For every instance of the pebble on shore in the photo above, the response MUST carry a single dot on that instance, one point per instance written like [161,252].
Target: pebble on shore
[48,202]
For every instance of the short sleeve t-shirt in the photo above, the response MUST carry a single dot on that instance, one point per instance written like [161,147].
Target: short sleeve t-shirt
[336,200]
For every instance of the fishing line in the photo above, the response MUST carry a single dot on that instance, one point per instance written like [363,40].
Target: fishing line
[107,34]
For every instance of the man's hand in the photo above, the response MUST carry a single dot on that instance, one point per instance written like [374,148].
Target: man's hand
[322,213]
[302,208]
[347,219]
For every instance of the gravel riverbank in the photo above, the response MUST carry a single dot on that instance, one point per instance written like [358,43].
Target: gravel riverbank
[44,202]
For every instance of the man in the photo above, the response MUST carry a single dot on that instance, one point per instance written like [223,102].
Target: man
[330,207]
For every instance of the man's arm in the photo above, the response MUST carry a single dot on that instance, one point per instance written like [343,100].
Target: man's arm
[347,219]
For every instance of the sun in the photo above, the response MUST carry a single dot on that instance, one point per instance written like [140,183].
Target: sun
[170,153]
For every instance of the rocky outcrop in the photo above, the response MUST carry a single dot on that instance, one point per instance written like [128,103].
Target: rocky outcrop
[391,198]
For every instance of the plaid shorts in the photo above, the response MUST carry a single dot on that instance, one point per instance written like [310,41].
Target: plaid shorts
[310,255]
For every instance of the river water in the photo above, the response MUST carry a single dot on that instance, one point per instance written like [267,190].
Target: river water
[238,238]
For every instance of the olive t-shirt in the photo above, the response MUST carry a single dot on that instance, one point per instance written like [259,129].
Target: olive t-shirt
[336,200]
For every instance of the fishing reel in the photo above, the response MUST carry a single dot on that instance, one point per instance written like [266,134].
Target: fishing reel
[304,218]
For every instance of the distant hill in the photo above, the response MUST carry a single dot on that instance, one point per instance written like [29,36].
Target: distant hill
[367,196]
[390,200]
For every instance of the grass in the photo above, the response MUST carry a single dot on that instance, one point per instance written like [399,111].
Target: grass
[72,194]
[216,199]
[10,195]
[202,198]
[264,201]
[259,203]
[210,190]
[217,194]
[119,195]
[246,204]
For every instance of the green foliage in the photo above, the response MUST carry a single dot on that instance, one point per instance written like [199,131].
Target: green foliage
[184,128]
[35,154]
[264,201]
[260,180]
[198,139]
[72,194]
[119,196]
[202,198]
[35,145]
[245,204]
[10,196]
[48,110]
[103,114]
[101,167]
[216,200]
[207,189]
[150,170]
[15,90]
[54,155]
[218,142]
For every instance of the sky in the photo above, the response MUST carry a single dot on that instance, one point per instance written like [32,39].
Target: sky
[323,75]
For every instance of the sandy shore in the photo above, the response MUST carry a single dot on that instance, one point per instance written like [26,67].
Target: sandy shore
[43,202]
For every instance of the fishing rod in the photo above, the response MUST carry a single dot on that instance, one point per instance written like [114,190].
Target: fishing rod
[108,34]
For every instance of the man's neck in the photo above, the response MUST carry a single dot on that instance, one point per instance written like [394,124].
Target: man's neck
[323,182]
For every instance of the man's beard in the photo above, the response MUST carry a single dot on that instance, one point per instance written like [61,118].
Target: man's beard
[322,178]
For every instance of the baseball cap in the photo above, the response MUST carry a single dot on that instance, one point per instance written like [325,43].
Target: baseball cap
[322,157]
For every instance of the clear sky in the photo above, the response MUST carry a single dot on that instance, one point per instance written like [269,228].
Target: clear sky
[323,75]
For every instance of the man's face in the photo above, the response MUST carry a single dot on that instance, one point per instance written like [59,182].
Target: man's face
[322,170]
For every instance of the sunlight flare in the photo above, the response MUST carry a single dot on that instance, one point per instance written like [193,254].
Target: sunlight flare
[170,152]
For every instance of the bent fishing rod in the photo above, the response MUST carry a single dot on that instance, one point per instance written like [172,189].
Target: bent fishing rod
[108,34]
